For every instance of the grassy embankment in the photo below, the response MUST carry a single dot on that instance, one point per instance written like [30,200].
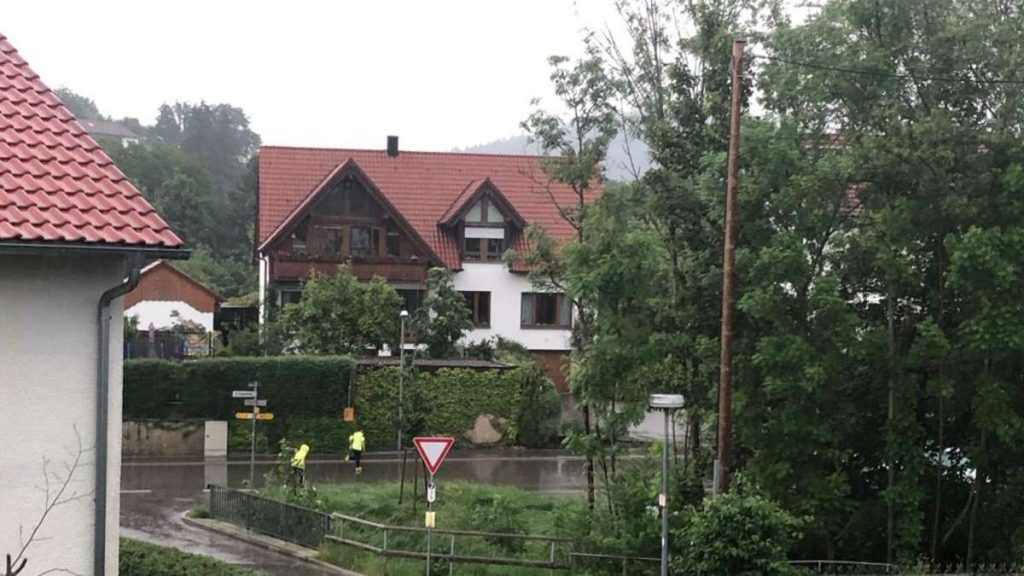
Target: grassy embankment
[459,506]
[144,559]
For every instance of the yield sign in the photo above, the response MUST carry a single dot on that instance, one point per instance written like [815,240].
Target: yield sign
[433,450]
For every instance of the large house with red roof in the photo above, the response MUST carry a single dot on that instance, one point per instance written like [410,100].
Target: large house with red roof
[395,214]
[74,235]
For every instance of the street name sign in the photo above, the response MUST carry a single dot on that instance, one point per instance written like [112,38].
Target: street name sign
[255,402]
[432,450]
[243,394]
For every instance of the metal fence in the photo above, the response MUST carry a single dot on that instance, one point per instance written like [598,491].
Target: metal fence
[451,546]
[288,522]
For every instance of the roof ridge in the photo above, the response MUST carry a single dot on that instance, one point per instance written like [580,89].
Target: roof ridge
[384,151]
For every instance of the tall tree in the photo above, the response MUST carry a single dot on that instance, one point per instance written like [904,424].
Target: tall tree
[444,317]
[573,149]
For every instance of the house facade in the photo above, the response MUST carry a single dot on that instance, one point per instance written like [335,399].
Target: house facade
[74,234]
[395,214]
[167,296]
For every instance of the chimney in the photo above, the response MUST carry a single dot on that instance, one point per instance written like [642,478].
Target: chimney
[392,146]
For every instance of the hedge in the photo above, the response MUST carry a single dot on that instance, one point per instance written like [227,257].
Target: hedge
[308,393]
[142,559]
[308,386]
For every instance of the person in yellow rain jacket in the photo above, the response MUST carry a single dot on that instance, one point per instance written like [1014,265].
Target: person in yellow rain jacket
[298,475]
[356,443]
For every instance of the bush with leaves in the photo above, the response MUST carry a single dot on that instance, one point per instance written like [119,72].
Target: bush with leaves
[444,317]
[143,559]
[738,533]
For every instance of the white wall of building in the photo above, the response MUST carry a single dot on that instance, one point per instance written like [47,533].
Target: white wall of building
[48,307]
[158,313]
[506,291]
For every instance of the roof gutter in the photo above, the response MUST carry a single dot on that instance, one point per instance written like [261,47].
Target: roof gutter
[134,266]
[124,250]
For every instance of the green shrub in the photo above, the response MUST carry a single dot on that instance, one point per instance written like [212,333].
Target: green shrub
[739,533]
[142,559]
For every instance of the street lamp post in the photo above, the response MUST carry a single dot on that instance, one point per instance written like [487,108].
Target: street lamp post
[668,403]
[401,375]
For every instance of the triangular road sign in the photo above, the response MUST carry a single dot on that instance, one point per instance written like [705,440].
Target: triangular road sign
[433,450]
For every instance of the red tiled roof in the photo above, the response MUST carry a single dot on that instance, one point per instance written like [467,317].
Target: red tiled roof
[422,186]
[56,183]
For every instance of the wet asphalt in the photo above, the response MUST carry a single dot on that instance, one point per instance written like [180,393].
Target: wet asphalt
[155,493]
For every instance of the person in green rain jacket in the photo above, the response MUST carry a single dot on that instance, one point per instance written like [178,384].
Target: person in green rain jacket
[298,475]
[356,443]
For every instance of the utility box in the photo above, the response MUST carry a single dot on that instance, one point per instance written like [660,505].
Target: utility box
[216,445]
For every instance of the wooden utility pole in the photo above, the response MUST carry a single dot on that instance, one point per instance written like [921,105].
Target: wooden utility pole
[724,460]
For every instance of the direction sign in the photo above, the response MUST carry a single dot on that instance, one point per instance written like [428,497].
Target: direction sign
[254,402]
[432,450]
[243,394]
[249,415]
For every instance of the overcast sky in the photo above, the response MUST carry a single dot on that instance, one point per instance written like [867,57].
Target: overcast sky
[440,73]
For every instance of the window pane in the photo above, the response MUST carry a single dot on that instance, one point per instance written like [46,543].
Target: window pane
[359,201]
[360,241]
[375,243]
[483,309]
[547,309]
[526,315]
[472,251]
[475,213]
[330,241]
[393,244]
[411,299]
[495,247]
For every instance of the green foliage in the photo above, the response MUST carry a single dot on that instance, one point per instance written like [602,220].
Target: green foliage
[739,533]
[82,107]
[143,559]
[445,402]
[443,317]
[340,315]
[538,413]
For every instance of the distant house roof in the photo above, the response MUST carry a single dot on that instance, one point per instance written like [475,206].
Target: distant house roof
[107,128]
[57,186]
[424,187]
[163,282]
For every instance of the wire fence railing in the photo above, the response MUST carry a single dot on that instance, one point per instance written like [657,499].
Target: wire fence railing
[288,522]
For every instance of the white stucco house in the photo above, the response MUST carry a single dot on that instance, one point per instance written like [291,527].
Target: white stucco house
[395,214]
[74,234]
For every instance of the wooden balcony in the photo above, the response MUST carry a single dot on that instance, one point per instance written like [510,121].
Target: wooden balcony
[388,268]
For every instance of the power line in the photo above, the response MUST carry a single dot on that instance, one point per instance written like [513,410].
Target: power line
[880,74]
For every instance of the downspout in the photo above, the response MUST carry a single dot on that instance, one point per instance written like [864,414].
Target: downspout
[103,408]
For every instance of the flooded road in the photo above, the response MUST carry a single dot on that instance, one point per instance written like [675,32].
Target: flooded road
[156,493]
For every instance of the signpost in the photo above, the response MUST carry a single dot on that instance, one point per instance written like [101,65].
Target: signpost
[252,399]
[432,450]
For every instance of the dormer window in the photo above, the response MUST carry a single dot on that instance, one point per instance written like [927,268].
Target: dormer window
[483,232]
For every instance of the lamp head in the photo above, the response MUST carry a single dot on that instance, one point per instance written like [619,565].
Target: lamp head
[666,401]
[403,314]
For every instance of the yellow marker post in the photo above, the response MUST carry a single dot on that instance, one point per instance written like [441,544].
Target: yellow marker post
[429,520]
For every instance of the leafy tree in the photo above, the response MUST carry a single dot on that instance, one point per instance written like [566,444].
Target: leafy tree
[573,150]
[339,315]
[444,316]
[739,533]
[82,107]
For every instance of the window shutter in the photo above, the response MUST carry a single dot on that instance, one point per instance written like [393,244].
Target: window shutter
[526,318]
[564,310]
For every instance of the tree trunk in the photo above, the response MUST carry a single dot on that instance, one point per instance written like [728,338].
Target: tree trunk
[979,483]
[938,484]
[890,511]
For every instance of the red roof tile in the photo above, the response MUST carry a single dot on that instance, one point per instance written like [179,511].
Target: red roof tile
[56,183]
[422,186]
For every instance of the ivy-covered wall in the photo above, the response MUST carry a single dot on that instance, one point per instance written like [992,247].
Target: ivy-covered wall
[307,395]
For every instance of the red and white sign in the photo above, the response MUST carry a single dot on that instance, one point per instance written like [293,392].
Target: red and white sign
[433,450]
